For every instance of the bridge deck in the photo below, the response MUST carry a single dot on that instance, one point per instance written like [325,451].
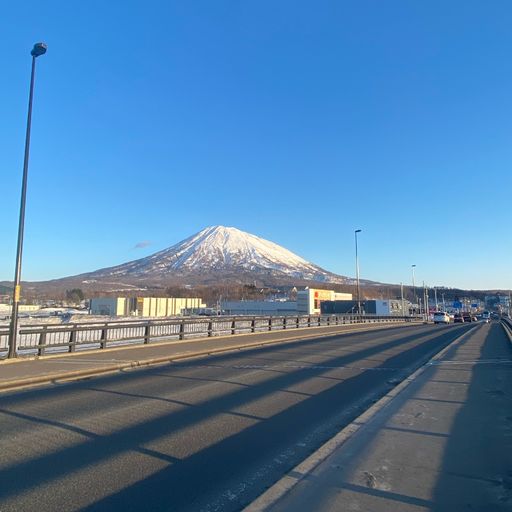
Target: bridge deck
[444,443]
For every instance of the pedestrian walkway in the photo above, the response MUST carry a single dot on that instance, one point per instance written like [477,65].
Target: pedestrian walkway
[444,443]
[21,372]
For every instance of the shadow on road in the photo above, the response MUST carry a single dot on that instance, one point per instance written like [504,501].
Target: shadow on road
[187,484]
[476,472]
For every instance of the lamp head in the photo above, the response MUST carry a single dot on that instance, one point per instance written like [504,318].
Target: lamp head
[357,231]
[39,49]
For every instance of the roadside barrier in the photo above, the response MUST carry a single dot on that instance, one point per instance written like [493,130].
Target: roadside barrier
[93,335]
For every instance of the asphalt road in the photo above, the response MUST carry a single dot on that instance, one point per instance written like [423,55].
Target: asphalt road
[204,435]
[444,444]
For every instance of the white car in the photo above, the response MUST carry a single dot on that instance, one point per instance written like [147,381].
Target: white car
[440,317]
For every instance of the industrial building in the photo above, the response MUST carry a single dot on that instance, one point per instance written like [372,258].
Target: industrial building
[144,306]
[258,307]
[309,300]
[368,307]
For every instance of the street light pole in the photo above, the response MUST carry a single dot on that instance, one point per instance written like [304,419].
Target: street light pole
[38,50]
[425,301]
[402,296]
[357,275]
[414,285]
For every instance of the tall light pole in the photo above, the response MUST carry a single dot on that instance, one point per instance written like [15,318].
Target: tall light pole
[425,301]
[402,296]
[357,275]
[38,50]
[413,285]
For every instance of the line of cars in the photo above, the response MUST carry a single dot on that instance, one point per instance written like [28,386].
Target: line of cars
[441,317]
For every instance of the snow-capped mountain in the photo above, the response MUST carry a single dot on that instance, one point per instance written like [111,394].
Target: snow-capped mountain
[218,251]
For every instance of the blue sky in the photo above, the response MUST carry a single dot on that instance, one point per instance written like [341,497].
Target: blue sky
[298,121]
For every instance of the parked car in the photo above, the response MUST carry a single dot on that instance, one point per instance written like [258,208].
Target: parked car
[440,317]
[458,318]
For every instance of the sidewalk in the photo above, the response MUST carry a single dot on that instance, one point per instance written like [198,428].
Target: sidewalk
[444,443]
[21,372]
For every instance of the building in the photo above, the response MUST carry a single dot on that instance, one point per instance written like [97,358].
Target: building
[310,299]
[369,307]
[144,306]
[259,307]
[23,309]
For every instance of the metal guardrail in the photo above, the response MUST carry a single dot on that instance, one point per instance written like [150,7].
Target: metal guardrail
[507,322]
[92,335]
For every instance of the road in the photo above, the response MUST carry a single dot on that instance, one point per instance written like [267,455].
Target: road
[444,444]
[204,435]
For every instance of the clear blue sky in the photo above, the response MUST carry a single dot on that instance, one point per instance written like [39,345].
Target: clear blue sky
[297,121]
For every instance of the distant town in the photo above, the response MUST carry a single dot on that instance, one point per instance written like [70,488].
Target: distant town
[308,301]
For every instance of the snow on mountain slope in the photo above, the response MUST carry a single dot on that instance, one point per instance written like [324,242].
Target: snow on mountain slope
[220,248]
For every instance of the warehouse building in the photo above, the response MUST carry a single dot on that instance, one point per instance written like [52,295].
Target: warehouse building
[144,306]
[259,307]
[368,307]
[310,300]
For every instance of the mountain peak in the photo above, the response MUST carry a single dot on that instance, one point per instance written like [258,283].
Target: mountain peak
[221,249]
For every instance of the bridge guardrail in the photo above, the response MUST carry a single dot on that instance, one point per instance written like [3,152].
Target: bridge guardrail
[38,339]
[507,322]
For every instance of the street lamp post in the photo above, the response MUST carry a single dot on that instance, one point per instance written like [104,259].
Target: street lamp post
[402,297]
[414,285]
[425,301]
[38,50]
[357,275]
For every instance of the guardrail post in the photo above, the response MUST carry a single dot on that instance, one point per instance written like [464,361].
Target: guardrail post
[253,325]
[284,322]
[147,333]
[233,326]
[297,322]
[269,323]
[319,320]
[42,341]
[309,321]
[210,329]
[182,330]
[72,339]
[329,320]
[104,336]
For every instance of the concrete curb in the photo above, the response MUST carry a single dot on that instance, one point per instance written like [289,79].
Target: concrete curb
[282,487]
[82,374]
